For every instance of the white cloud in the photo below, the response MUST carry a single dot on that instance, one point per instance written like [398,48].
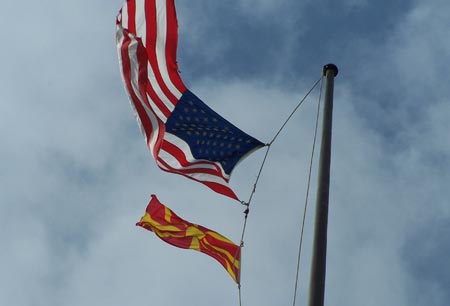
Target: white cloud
[76,175]
[420,47]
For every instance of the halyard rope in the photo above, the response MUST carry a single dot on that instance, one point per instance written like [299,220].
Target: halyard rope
[247,204]
[307,193]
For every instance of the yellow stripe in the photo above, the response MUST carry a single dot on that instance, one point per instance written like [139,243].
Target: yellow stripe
[196,234]
[230,257]
[231,272]
[167,214]
[153,224]
[233,261]
[193,230]
[219,237]
[230,269]
[198,238]
[195,244]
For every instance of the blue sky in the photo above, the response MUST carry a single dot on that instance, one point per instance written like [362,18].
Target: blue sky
[75,173]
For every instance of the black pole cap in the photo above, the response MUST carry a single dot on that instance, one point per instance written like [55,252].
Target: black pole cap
[332,67]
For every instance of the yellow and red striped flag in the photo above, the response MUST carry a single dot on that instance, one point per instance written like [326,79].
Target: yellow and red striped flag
[183,234]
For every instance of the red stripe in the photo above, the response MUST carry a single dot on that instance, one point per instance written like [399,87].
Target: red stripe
[157,211]
[179,238]
[220,257]
[158,103]
[152,28]
[131,6]
[225,245]
[181,157]
[172,45]
[147,55]
[119,18]
[146,123]
[219,188]
[127,77]
[190,172]
[143,85]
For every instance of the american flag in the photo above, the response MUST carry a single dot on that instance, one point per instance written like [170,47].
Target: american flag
[184,135]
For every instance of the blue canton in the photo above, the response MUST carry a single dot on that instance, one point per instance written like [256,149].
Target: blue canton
[209,136]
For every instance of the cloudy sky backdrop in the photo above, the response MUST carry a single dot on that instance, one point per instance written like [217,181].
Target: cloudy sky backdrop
[75,173]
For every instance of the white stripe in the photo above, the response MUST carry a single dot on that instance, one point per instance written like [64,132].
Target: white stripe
[201,163]
[133,107]
[198,166]
[120,38]
[141,32]
[134,63]
[176,167]
[134,78]
[141,26]
[158,90]
[124,20]
[173,162]
[156,109]
[161,38]
[119,43]
[154,123]
[155,126]
[183,146]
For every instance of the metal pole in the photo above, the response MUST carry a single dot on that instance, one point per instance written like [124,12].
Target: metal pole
[319,256]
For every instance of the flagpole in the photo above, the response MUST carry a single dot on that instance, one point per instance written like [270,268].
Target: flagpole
[319,256]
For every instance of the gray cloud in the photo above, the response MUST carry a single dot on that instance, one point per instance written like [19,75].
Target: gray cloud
[76,175]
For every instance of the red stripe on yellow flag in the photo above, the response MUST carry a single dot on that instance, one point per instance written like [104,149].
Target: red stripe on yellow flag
[183,234]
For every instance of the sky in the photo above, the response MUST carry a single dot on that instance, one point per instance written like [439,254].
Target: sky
[76,175]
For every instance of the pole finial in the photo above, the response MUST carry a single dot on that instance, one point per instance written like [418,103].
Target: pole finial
[332,67]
